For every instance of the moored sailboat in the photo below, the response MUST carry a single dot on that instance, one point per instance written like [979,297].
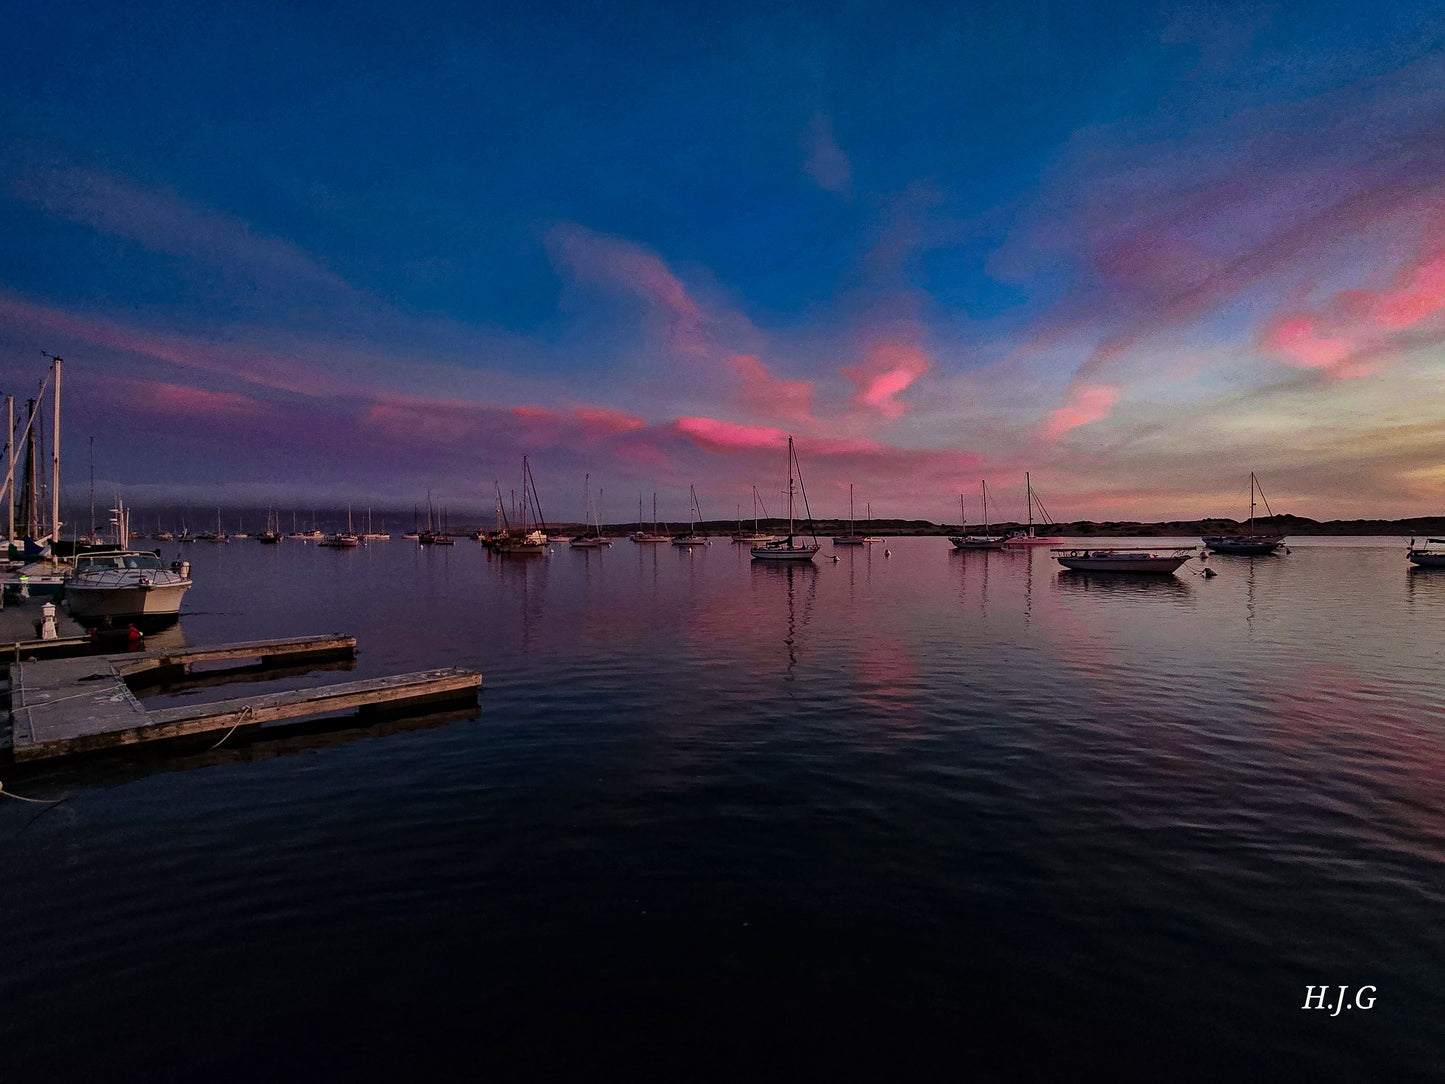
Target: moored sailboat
[1029,538]
[529,537]
[1250,542]
[983,541]
[789,548]
[693,536]
[755,536]
[852,538]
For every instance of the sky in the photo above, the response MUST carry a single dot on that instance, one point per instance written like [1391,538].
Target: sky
[315,253]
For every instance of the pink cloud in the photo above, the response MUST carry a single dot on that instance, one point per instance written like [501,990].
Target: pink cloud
[612,421]
[1086,403]
[620,265]
[889,370]
[713,435]
[766,395]
[175,399]
[1297,339]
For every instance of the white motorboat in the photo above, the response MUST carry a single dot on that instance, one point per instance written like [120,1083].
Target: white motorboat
[126,585]
[789,549]
[1424,556]
[1160,562]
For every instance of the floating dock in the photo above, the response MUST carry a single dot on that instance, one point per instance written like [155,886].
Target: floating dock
[62,707]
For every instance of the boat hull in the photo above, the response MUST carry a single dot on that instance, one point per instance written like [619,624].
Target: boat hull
[784,553]
[94,605]
[1155,564]
[1249,547]
[978,542]
[1427,559]
[849,540]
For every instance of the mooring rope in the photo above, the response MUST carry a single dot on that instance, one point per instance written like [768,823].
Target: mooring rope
[240,718]
[22,798]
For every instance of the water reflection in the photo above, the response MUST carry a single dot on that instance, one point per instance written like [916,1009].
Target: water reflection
[1121,585]
[799,582]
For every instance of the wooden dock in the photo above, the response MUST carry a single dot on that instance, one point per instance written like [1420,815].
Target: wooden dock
[63,707]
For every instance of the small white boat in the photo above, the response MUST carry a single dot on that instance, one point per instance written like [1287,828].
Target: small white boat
[1424,556]
[789,549]
[529,537]
[1119,560]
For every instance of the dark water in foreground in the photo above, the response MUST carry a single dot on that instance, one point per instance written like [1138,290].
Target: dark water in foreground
[896,815]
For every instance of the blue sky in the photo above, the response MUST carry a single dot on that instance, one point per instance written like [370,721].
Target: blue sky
[354,252]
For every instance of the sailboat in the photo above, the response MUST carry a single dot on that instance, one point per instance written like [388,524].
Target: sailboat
[272,534]
[789,548]
[218,535]
[1020,538]
[852,538]
[373,536]
[594,540]
[983,541]
[754,536]
[653,535]
[1250,542]
[529,536]
[345,540]
[693,536]
[433,535]
[870,537]
[37,539]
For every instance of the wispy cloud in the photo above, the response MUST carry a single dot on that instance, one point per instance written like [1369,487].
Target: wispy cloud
[825,161]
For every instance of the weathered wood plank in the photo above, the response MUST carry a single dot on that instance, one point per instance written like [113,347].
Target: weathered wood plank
[133,664]
[248,711]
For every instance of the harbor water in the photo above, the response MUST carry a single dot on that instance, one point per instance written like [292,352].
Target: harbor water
[908,810]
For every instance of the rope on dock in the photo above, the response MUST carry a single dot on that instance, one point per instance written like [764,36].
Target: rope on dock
[239,720]
[22,798]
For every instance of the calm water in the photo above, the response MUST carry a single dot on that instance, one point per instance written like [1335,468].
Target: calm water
[716,818]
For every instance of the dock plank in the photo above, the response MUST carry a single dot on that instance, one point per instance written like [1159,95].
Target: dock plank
[136,663]
[117,719]
[64,699]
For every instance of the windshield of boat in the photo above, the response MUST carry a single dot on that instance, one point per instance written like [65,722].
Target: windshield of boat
[120,560]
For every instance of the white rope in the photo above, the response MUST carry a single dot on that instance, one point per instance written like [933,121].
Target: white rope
[22,798]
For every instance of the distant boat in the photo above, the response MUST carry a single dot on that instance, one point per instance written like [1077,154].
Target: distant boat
[1251,542]
[653,535]
[1028,538]
[272,534]
[373,536]
[693,536]
[1424,556]
[343,540]
[852,538]
[870,537]
[1118,560]
[755,536]
[983,541]
[528,537]
[218,535]
[433,535]
[594,540]
[789,548]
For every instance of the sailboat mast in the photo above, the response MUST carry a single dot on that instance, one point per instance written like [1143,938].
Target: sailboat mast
[10,470]
[55,458]
[790,491]
[92,489]
[984,486]
[1251,502]
[851,531]
[1029,493]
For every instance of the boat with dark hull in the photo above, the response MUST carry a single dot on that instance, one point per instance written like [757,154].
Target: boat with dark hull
[1249,543]
[1156,562]
[790,548]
